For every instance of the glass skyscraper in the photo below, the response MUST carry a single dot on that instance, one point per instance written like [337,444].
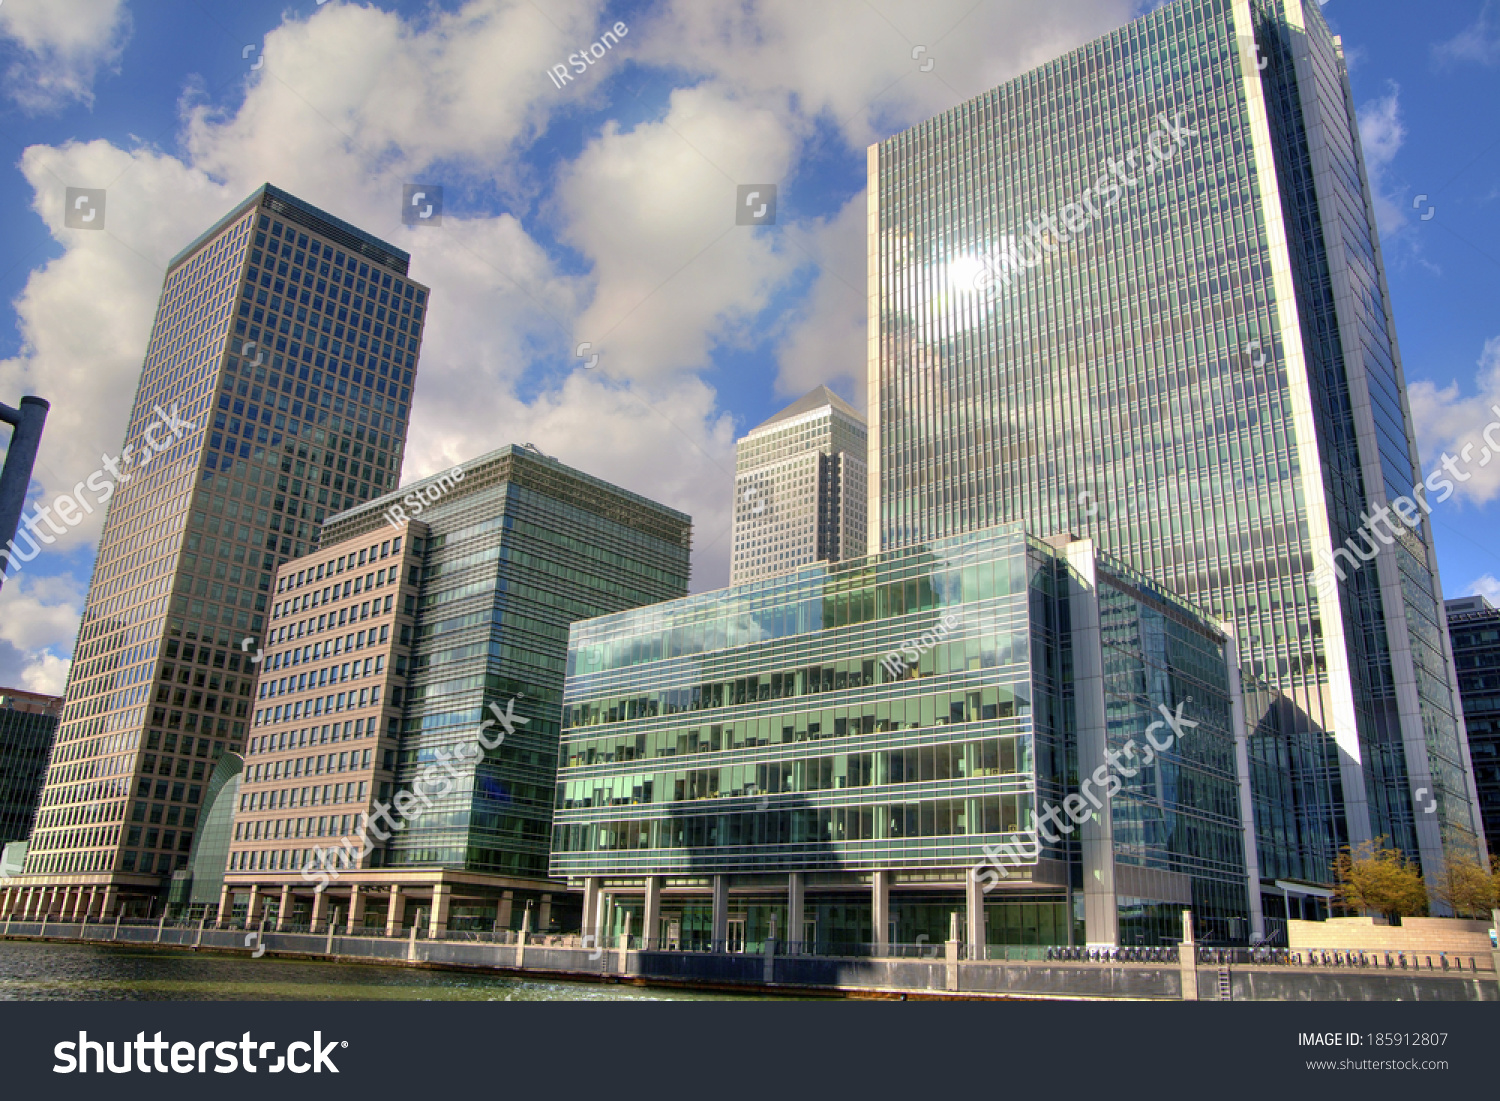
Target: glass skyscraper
[800,488]
[1137,294]
[275,390]
[1474,629]
[28,721]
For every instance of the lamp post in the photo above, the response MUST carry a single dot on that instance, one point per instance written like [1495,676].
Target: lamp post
[26,435]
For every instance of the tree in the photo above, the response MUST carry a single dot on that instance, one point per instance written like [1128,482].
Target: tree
[1465,884]
[1374,876]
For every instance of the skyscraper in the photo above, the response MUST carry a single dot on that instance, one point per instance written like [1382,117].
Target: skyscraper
[279,372]
[1137,294]
[800,488]
[1474,630]
[28,721]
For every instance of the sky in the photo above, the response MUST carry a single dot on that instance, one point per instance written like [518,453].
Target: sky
[600,210]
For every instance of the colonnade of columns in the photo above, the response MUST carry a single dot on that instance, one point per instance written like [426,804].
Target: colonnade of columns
[596,903]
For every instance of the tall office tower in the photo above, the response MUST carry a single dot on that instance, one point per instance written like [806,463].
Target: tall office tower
[28,722]
[1474,631]
[1137,294]
[275,390]
[448,600]
[800,489]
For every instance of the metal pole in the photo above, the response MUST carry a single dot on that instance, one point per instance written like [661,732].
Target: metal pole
[20,456]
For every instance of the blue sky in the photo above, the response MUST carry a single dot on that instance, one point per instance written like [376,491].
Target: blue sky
[602,211]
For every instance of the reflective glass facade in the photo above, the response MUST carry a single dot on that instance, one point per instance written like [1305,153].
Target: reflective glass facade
[515,551]
[895,715]
[28,721]
[1137,294]
[1474,627]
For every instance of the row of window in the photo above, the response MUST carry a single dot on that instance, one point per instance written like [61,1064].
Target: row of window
[805,826]
[344,561]
[984,757]
[316,795]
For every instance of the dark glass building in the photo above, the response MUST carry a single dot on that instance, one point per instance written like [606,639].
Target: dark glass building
[1474,628]
[28,721]
[1137,293]
[847,755]
[275,390]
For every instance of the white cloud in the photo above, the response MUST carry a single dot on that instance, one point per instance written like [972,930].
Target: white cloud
[39,625]
[62,48]
[828,338]
[1381,134]
[1487,586]
[1479,42]
[353,101]
[655,210]
[1448,422]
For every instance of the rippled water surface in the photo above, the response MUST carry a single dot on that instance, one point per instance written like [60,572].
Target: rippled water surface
[33,971]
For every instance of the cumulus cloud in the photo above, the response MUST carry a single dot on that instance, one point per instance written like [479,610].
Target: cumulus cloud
[1449,422]
[37,630]
[56,51]
[1381,134]
[558,228]
[1485,585]
[655,210]
[1479,42]
[827,338]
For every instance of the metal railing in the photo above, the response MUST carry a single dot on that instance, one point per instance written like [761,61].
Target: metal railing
[1342,958]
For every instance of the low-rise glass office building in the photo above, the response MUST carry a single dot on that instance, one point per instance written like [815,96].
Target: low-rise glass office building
[848,756]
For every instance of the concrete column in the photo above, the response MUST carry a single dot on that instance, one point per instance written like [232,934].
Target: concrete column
[1187,959]
[505,909]
[795,919]
[111,905]
[5,901]
[226,906]
[544,913]
[442,897]
[64,903]
[651,921]
[257,904]
[75,904]
[394,915]
[590,906]
[721,913]
[91,911]
[356,910]
[880,911]
[319,910]
[284,912]
[974,913]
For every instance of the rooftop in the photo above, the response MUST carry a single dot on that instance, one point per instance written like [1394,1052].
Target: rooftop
[813,400]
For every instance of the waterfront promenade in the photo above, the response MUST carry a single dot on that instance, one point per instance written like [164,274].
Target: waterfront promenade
[1192,973]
